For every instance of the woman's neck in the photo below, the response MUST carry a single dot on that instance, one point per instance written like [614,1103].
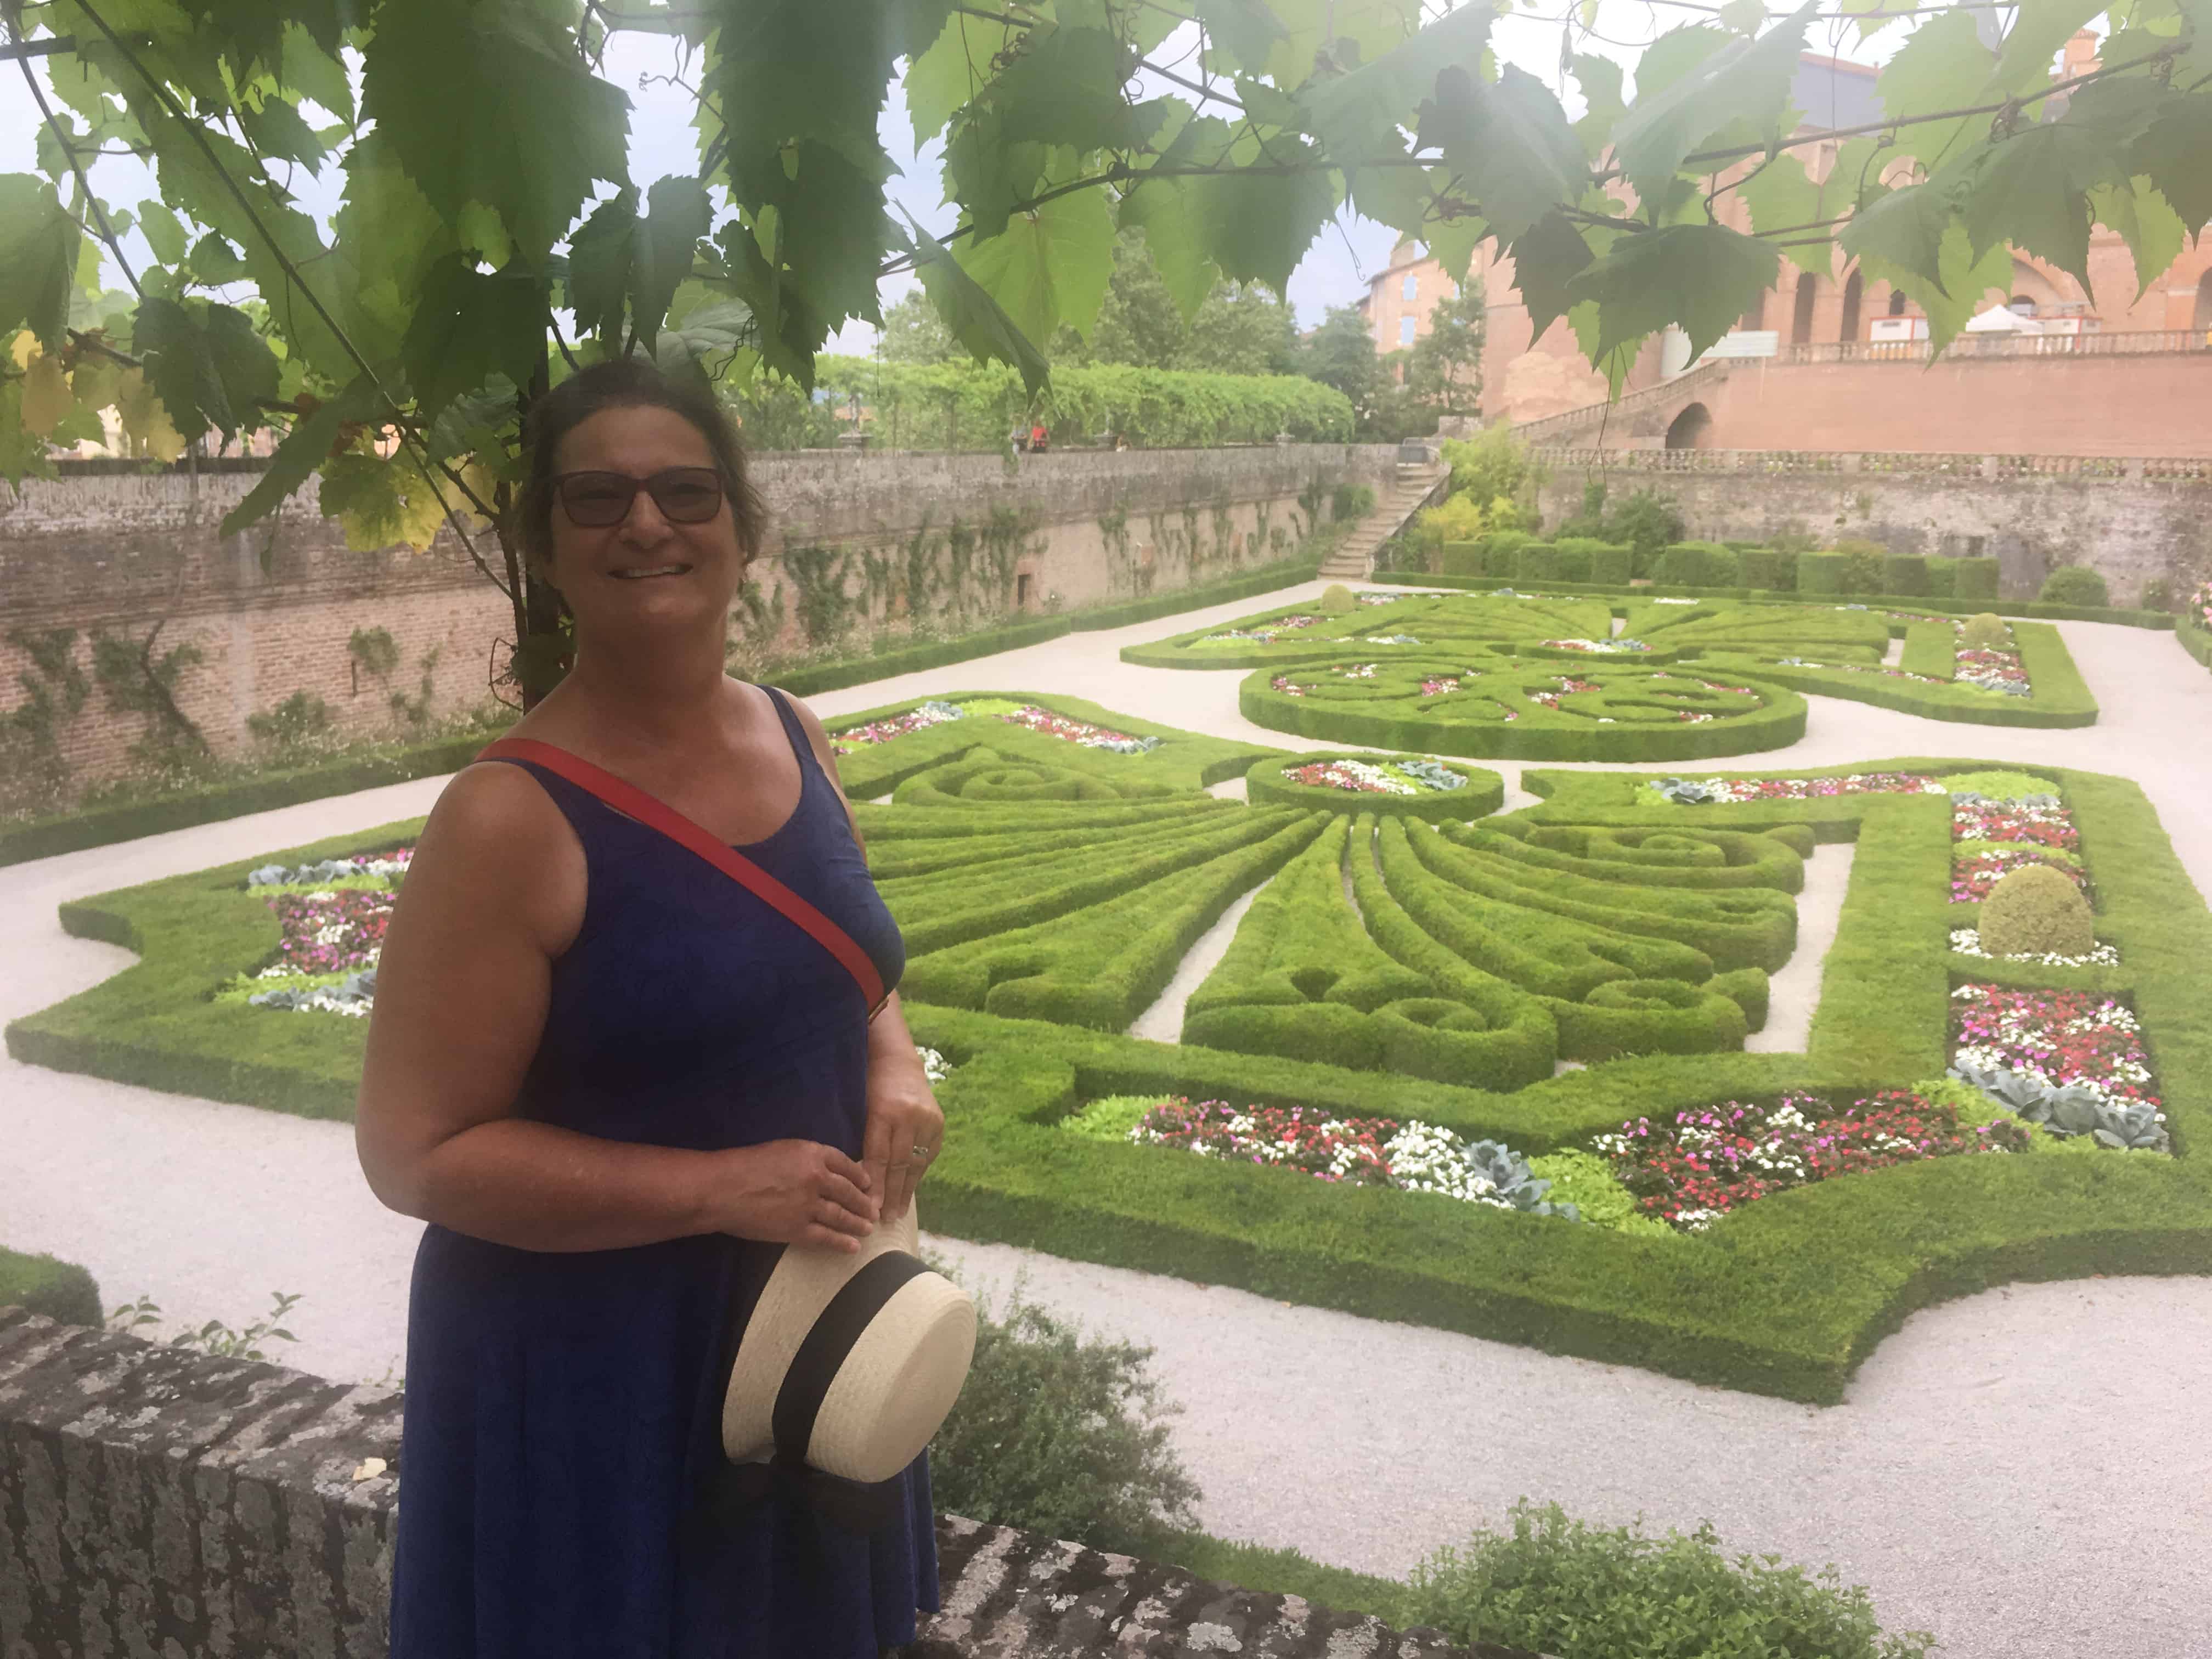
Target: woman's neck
[654,695]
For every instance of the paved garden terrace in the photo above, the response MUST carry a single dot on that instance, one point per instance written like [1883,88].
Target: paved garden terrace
[2018,1470]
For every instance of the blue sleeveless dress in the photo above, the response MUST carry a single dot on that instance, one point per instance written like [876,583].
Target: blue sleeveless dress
[562,1439]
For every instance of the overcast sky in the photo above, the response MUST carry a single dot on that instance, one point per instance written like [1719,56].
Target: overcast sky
[662,141]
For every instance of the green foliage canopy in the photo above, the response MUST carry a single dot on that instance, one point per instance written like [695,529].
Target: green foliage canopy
[473,168]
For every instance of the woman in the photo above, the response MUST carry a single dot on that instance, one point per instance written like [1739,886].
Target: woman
[597,1067]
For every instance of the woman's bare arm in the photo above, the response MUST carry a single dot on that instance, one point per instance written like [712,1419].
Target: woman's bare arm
[463,983]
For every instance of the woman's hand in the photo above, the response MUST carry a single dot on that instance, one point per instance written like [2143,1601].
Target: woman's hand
[793,1192]
[905,1127]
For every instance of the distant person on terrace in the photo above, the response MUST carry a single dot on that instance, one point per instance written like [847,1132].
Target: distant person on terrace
[597,1067]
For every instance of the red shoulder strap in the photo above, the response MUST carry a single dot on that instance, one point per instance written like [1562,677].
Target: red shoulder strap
[630,799]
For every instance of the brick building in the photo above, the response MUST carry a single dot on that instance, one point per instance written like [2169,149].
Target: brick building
[1839,318]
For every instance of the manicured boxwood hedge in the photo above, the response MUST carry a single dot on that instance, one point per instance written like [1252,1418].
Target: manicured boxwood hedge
[1288,573]
[61,1291]
[1484,792]
[2195,641]
[2062,697]
[810,678]
[1956,606]
[1784,1298]
[102,826]
[1537,733]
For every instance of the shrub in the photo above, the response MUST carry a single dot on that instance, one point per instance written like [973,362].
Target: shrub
[1906,573]
[292,724]
[2037,910]
[60,1290]
[1761,568]
[1943,577]
[1612,564]
[1350,501]
[2157,595]
[1459,559]
[1976,579]
[1336,600]
[1501,553]
[1646,522]
[1862,564]
[1578,556]
[1537,562]
[1064,1436]
[1456,519]
[1698,564]
[1491,464]
[1821,574]
[1557,1586]
[1985,632]
[2074,584]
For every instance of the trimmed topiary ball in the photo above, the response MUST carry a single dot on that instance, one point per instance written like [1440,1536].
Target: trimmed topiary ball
[1336,600]
[2035,909]
[2074,584]
[1986,632]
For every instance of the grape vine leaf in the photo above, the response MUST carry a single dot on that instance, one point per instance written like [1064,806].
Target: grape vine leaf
[1259,225]
[145,420]
[2032,190]
[1162,210]
[953,70]
[1510,141]
[1779,196]
[1955,293]
[1549,255]
[1943,65]
[1701,276]
[1239,33]
[1357,116]
[802,69]
[489,102]
[2146,222]
[38,257]
[164,232]
[46,398]
[1066,87]
[1906,229]
[380,501]
[975,319]
[1050,266]
[2171,152]
[1599,81]
[1743,81]
[601,253]
[469,325]
[306,447]
[2039,28]
[204,362]
[391,236]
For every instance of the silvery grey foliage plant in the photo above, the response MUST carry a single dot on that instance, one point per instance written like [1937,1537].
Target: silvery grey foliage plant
[2072,1109]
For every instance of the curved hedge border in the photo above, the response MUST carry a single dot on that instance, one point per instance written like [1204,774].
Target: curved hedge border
[1483,793]
[2062,697]
[2123,619]
[60,1290]
[2195,641]
[1537,734]
[1785,1297]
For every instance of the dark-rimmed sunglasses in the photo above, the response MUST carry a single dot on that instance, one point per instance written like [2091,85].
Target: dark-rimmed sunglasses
[684,494]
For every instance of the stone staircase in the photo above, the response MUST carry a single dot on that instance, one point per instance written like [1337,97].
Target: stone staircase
[1353,556]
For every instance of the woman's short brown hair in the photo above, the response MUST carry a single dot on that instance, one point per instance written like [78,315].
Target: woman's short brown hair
[629,383]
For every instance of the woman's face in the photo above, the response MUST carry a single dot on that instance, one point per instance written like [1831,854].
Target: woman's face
[610,577]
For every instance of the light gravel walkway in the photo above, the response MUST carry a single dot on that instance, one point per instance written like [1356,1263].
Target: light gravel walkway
[2025,1471]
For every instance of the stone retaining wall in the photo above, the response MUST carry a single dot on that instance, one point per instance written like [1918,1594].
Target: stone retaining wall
[158,1502]
[127,552]
[2133,521]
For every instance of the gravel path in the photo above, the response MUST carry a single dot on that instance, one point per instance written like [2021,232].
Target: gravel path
[2023,1472]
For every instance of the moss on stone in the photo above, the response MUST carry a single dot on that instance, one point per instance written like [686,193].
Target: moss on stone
[2037,910]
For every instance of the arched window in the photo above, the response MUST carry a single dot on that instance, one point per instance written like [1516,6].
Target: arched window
[1852,290]
[1896,303]
[1801,326]
[2201,321]
[1692,429]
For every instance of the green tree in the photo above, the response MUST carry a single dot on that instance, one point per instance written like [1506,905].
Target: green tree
[1445,371]
[470,144]
[1341,353]
[1239,328]
[913,332]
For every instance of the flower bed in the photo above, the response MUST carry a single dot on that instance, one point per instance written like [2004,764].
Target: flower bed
[1263,636]
[1033,719]
[1967,942]
[1601,647]
[1409,1156]
[916,720]
[1973,873]
[2058,1038]
[1730,791]
[1568,686]
[1403,777]
[1692,1170]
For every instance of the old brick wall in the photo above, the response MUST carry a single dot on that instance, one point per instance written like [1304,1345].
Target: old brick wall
[2132,528]
[158,1502]
[127,553]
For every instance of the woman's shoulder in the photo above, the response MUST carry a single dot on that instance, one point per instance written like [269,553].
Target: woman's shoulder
[497,842]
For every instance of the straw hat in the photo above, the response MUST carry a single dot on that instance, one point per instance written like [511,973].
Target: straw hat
[850,1361]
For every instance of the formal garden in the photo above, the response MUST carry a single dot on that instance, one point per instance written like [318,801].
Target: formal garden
[1456,1066]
